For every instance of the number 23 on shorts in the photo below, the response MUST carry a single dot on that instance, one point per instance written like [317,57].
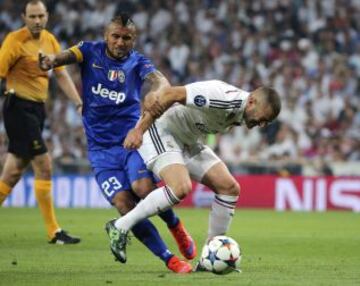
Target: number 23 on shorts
[110,186]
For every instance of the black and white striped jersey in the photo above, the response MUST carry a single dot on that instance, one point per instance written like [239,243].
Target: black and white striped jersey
[211,107]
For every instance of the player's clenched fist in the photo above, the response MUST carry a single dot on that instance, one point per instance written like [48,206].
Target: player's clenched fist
[46,62]
[133,139]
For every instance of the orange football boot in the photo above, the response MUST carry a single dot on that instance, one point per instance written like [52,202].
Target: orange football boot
[184,241]
[178,266]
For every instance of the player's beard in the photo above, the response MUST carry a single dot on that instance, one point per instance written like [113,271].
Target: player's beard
[117,53]
[250,123]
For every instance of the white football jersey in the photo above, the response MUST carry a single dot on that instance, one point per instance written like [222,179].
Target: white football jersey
[211,107]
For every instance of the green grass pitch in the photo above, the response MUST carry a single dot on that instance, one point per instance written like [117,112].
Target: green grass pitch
[279,248]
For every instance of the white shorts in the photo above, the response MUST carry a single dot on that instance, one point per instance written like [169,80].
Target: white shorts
[160,149]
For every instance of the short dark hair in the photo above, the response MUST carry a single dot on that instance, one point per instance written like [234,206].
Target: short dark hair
[33,2]
[123,19]
[272,98]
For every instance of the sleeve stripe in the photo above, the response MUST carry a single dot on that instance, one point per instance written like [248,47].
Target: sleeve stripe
[225,104]
[224,107]
[230,91]
[225,101]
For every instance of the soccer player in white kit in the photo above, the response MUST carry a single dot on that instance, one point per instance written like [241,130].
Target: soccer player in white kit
[173,146]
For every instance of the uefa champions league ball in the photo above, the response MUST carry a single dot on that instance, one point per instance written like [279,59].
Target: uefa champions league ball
[221,255]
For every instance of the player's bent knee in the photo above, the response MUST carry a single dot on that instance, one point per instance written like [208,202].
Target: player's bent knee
[12,177]
[42,166]
[142,187]
[43,172]
[123,203]
[182,189]
[123,207]
[236,189]
[232,189]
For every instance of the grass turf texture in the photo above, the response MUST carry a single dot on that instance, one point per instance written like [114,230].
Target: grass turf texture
[278,249]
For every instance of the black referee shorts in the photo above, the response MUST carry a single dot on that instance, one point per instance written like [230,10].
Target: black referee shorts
[24,123]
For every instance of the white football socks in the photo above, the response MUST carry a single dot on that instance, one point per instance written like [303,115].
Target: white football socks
[158,200]
[222,212]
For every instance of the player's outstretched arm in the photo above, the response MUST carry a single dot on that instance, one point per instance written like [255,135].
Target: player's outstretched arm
[166,97]
[157,82]
[47,62]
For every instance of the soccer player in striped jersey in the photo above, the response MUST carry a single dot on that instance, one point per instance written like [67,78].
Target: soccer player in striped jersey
[112,76]
[173,147]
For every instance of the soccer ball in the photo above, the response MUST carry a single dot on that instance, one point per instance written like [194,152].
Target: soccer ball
[221,255]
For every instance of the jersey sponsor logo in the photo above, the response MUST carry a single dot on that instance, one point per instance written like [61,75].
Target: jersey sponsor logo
[118,97]
[94,65]
[199,100]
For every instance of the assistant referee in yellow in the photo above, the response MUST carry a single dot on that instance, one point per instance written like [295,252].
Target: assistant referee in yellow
[24,111]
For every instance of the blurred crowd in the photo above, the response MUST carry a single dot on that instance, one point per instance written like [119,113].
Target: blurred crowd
[308,50]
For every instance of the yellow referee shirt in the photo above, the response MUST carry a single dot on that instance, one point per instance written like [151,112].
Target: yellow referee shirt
[19,63]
